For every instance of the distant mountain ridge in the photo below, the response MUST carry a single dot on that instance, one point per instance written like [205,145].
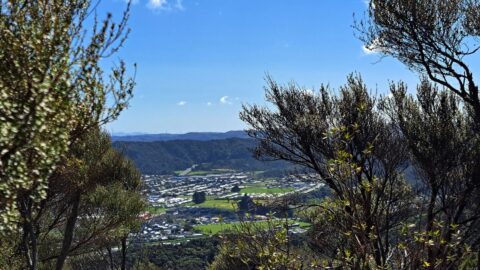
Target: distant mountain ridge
[193,136]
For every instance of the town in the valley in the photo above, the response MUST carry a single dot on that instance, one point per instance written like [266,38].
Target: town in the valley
[194,204]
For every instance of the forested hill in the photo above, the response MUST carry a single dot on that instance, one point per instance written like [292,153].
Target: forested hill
[197,136]
[163,157]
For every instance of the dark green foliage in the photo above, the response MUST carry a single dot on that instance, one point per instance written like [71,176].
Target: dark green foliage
[193,255]
[93,204]
[235,189]
[167,157]
[199,197]
[267,245]
[246,203]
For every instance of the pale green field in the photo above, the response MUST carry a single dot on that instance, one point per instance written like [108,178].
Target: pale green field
[193,172]
[259,189]
[156,210]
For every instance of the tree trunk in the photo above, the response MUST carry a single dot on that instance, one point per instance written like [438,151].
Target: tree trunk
[30,245]
[110,257]
[124,252]
[69,230]
[478,260]
[429,226]
[29,236]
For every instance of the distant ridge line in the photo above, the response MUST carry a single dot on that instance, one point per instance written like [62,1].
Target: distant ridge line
[193,136]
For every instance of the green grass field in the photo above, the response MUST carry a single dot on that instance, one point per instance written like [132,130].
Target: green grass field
[222,170]
[193,173]
[222,204]
[259,189]
[156,210]
[212,229]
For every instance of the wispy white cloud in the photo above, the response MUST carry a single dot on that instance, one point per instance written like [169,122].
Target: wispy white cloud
[225,100]
[182,103]
[209,104]
[179,5]
[165,4]
[157,4]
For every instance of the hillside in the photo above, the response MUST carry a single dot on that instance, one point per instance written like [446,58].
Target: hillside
[164,157]
[196,136]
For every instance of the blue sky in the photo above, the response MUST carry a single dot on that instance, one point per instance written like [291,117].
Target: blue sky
[199,60]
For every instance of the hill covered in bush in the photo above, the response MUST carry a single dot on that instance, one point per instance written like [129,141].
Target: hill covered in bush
[164,157]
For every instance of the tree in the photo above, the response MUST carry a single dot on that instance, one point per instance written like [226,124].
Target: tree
[246,204]
[444,147]
[235,189]
[432,37]
[436,38]
[359,147]
[199,197]
[93,203]
[353,149]
[52,90]
[104,192]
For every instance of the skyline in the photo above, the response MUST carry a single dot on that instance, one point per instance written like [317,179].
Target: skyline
[198,61]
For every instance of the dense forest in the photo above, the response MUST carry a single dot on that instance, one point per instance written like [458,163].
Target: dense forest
[166,157]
